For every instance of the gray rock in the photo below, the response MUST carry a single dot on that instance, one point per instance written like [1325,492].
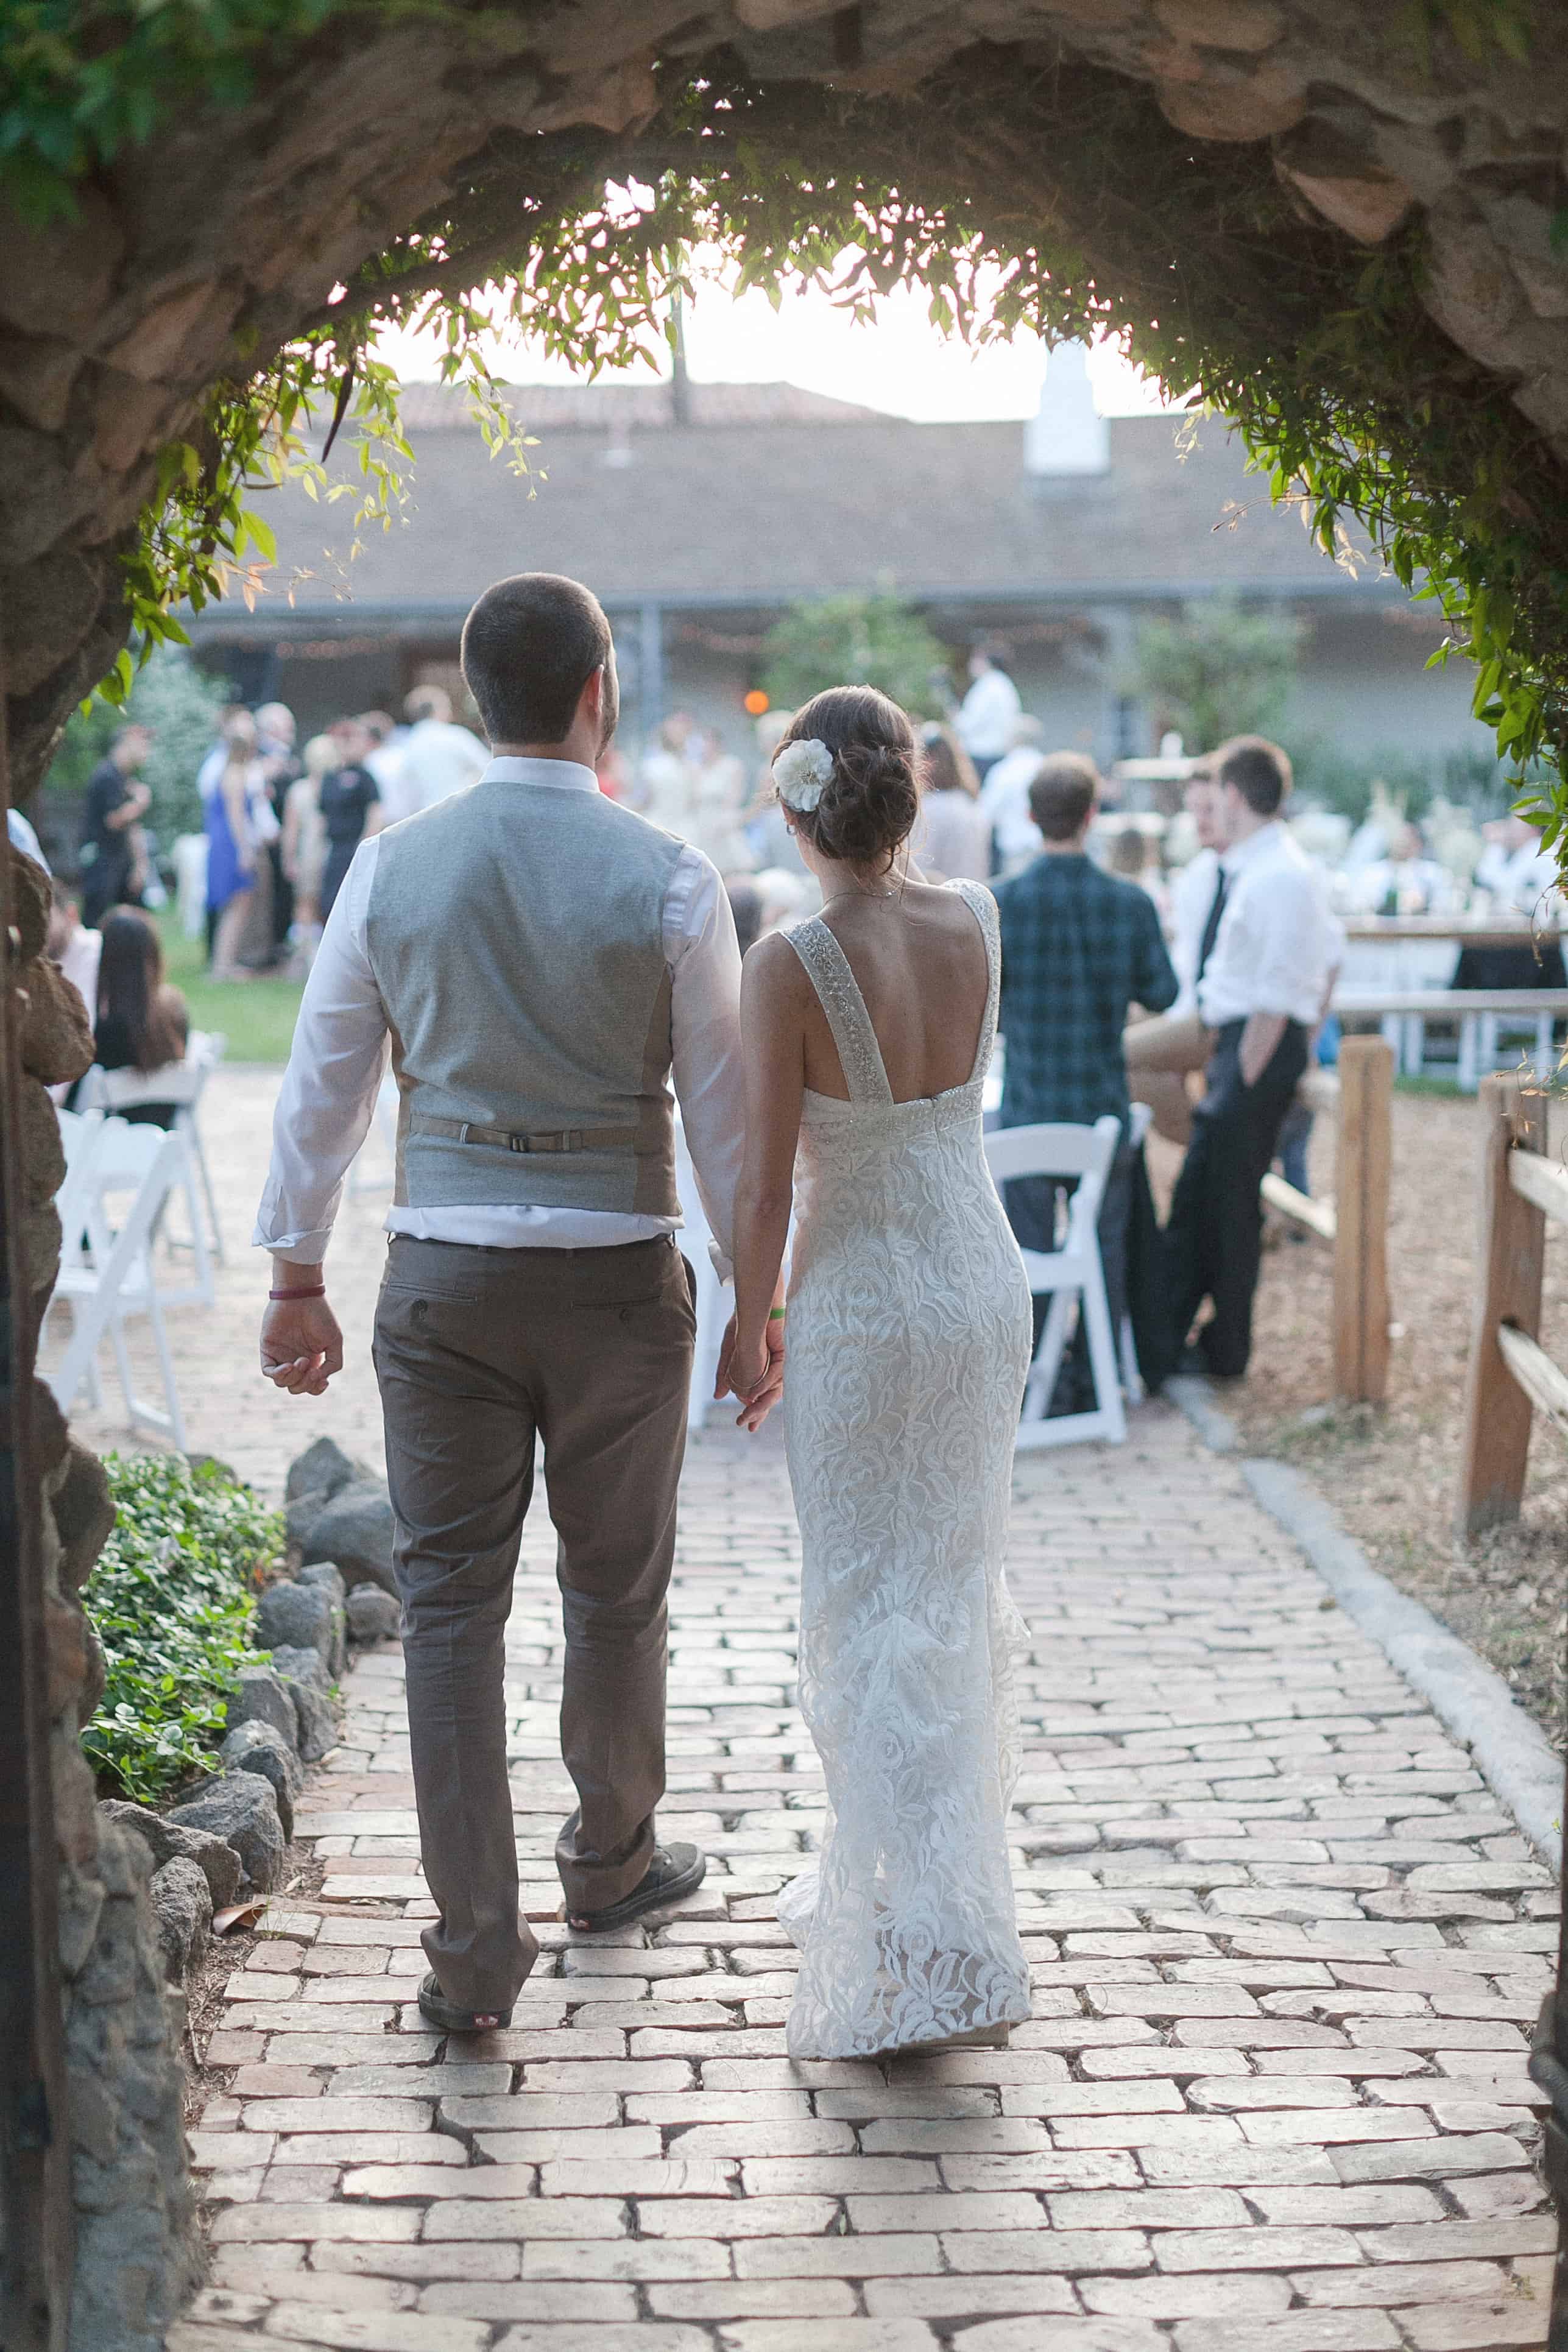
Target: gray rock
[373,1615]
[167,1841]
[324,1576]
[354,1529]
[321,1470]
[294,1616]
[182,1909]
[316,1724]
[257,1748]
[299,1664]
[241,1809]
[259,1697]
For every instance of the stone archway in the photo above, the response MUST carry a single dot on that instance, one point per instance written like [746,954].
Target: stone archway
[193,255]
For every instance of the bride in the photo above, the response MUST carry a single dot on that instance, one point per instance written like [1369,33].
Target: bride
[867,1034]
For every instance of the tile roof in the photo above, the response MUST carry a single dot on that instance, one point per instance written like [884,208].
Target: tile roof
[772,494]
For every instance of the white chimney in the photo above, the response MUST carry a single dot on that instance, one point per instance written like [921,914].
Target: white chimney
[1067,435]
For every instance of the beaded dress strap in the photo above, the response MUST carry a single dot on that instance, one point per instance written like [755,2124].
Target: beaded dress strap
[982,906]
[827,969]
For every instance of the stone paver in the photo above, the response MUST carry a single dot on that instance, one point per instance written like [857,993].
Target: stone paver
[1274,2093]
[1286,1949]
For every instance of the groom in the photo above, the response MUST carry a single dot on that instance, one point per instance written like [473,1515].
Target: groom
[543,960]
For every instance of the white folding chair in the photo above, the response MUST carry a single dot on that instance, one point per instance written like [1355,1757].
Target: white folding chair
[112,1276]
[1067,1153]
[183,1084]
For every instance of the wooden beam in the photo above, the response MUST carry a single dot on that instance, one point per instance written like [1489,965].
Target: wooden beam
[1317,1216]
[1510,1249]
[1535,1177]
[1538,1376]
[1360,1230]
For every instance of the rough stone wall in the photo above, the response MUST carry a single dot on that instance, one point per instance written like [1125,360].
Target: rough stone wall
[136,2248]
[196,257]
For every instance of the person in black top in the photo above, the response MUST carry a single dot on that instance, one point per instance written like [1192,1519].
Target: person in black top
[114,801]
[141,1021]
[350,808]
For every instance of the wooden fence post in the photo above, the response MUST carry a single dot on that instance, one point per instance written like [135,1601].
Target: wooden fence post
[1509,1255]
[1361,1209]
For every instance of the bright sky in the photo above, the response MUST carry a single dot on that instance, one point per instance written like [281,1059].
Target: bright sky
[901,365]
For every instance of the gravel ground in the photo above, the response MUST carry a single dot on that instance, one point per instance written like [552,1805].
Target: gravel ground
[1393,1474]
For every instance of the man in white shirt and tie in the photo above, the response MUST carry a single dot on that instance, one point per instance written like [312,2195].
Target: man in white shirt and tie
[1161,1053]
[541,961]
[1262,994]
[435,759]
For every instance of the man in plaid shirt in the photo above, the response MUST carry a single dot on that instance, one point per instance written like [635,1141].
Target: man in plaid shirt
[1077,946]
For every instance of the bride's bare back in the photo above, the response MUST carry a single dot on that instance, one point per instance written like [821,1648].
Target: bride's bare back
[920,962]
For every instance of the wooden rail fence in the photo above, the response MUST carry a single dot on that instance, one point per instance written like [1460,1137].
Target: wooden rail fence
[1354,1224]
[1510,1377]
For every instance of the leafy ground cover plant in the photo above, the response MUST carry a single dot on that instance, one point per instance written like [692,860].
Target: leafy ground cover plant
[172,1601]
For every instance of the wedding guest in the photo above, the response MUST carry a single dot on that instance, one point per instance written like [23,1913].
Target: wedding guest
[73,947]
[141,1023]
[953,834]
[351,810]
[1263,991]
[305,836]
[1005,796]
[666,780]
[279,766]
[1161,1053]
[746,906]
[115,802]
[990,709]
[228,808]
[21,836]
[384,741]
[1078,948]
[438,757]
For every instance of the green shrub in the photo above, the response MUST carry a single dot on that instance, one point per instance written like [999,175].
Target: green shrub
[172,1601]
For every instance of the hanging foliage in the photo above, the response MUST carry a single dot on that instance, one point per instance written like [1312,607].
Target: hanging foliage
[1020,189]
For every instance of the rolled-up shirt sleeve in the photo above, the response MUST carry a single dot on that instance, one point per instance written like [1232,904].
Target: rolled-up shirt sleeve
[328,1096]
[704,959]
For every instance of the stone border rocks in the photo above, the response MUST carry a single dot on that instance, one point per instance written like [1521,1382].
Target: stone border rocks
[1474,1703]
[228,1837]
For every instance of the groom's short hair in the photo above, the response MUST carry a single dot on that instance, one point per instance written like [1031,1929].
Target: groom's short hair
[529,647]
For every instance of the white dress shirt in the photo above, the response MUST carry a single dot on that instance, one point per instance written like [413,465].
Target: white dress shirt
[1278,940]
[435,759]
[328,1091]
[1004,798]
[1192,896]
[983,724]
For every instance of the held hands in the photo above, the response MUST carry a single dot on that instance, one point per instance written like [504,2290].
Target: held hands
[301,1346]
[753,1371]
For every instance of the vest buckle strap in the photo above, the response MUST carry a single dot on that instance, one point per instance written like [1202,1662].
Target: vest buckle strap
[505,1139]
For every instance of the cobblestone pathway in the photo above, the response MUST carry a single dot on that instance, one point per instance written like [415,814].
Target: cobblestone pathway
[1286,1949]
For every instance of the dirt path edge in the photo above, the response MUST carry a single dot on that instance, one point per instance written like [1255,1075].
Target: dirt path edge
[1476,1704]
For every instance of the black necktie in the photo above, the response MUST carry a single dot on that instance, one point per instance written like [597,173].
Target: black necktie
[1211,928]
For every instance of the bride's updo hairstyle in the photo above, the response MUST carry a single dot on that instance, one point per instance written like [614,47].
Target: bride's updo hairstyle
[869,804]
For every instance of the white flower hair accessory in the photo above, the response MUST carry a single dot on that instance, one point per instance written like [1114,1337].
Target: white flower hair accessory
[801,771]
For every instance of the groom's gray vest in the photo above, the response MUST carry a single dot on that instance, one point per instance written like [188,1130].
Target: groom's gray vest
[516,937]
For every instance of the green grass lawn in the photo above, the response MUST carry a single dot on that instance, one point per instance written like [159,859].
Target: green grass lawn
[257,1016]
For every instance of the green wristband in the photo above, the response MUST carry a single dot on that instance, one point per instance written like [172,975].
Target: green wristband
[776,1315]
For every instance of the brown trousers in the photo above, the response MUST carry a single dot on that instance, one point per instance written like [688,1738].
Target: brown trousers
[477,1351]
[1159,1053]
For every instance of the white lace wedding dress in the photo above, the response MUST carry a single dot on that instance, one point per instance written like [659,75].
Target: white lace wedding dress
[908,1344]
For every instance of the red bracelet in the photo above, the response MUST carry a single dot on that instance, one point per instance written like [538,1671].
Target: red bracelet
[317,1290]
